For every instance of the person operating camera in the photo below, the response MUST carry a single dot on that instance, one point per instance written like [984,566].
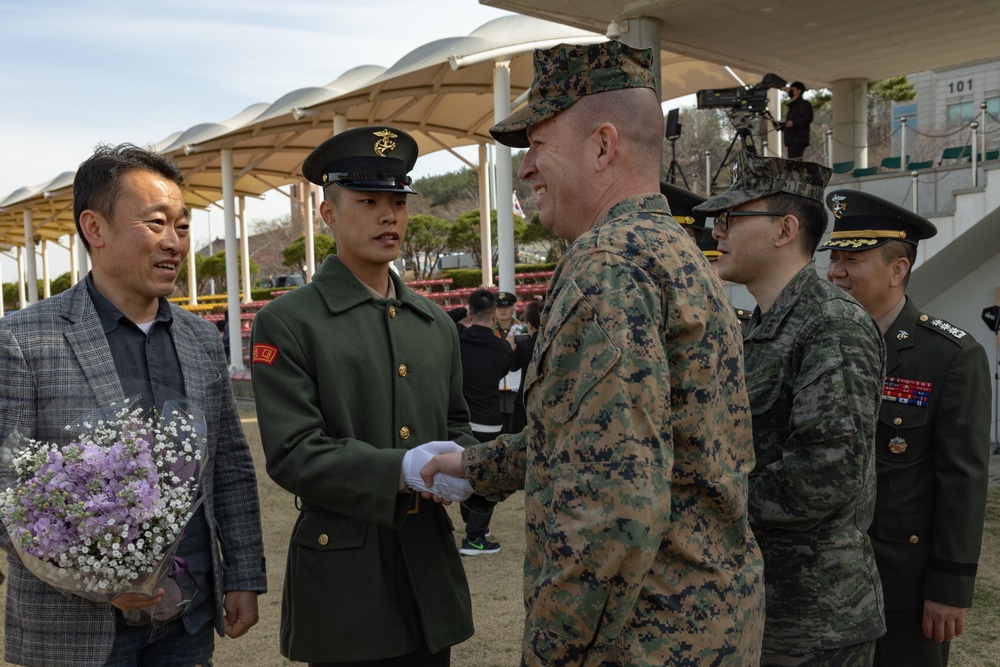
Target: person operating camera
[797,121]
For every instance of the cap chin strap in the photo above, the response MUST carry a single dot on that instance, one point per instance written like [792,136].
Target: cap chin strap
[368,178]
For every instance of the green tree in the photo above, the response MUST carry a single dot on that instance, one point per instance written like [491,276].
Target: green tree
[464,234]
[214,268]
[425,241]
[536,233]
[439,190]
[323,245]
[61,284]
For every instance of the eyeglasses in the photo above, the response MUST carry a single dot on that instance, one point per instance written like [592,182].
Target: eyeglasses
[722,220]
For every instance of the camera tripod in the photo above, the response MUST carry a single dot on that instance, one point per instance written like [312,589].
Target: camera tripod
[675,167]
[742,121]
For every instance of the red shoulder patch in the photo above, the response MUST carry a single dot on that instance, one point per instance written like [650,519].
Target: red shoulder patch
[264,354]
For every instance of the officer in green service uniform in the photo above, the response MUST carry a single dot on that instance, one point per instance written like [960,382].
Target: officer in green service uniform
[682,203]
[350,373]
[932,443]
[814,361]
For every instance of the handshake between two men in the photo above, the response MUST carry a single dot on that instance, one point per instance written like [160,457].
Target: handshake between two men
[435,469]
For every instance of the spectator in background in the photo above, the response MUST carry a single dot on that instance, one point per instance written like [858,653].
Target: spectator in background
[486,359]
[506,321]
[524,345]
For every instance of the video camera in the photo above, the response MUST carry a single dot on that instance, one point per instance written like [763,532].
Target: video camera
[752,99]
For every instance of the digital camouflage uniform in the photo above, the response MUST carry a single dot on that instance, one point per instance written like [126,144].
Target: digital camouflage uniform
[814,365]
[635,458]
[814,375]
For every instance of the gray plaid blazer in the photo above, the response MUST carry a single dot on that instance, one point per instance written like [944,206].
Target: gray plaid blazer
[55,364]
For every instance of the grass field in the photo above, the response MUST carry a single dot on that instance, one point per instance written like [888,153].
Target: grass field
[496,586]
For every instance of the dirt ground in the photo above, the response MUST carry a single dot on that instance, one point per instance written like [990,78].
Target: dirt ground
[495,581]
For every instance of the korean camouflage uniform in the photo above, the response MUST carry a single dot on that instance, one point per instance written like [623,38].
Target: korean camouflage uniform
[814,376]
[635,458]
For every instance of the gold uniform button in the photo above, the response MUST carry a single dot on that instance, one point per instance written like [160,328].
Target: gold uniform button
[392,311]
[323,539]
[924,318]
[403,370]
[897,421]
[914,539]
[404,432]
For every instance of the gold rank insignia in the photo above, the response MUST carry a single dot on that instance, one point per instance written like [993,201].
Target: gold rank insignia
[897,445]
[385,142]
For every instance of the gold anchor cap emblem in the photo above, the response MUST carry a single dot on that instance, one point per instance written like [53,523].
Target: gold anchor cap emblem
[385,142]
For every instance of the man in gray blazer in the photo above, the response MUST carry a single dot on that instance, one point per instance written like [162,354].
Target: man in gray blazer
[111,336]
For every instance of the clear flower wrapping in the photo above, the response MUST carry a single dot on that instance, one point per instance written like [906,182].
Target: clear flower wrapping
[102,513]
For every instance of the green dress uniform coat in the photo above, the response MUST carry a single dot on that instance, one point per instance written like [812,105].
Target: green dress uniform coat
[932,454]
[635,459]
[814,375]
[345,383]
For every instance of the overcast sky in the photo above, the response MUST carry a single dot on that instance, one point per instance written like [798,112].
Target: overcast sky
[74,74]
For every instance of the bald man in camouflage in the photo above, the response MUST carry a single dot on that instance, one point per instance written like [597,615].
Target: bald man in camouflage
[637,451]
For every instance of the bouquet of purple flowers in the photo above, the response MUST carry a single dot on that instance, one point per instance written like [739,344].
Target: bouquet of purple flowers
[102,514]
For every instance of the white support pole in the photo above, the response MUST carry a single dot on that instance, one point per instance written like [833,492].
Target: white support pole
[22,298]
[46,278]
[505,183]
[829,147]
[982,126]
[708,173]
[245,251]
[903,160]
[916,185]
[1,290]
[82,259]
[31,274]
[486,240]
[192,280]
[74,269]
[305,193]
[232,265]
[975,148]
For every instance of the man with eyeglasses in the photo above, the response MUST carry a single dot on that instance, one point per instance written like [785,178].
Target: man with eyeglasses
[814,360]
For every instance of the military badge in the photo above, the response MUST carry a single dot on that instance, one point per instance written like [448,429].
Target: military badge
[902,335]
[385,142]
[838,205]
[897,445]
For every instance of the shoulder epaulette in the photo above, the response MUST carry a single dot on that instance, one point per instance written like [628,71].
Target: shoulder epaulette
[939,325]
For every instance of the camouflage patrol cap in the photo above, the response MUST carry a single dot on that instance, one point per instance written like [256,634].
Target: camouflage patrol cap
[755,177]
[371,159]
[565,73]
[862,221]
[682,203]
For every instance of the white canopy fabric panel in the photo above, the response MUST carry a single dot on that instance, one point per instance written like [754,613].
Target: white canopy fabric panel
[441,92]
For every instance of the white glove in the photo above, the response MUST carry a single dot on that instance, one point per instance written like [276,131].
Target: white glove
[446,486]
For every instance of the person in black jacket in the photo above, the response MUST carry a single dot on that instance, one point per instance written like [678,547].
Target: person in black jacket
[524,346]
[486,359]
[797,121]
